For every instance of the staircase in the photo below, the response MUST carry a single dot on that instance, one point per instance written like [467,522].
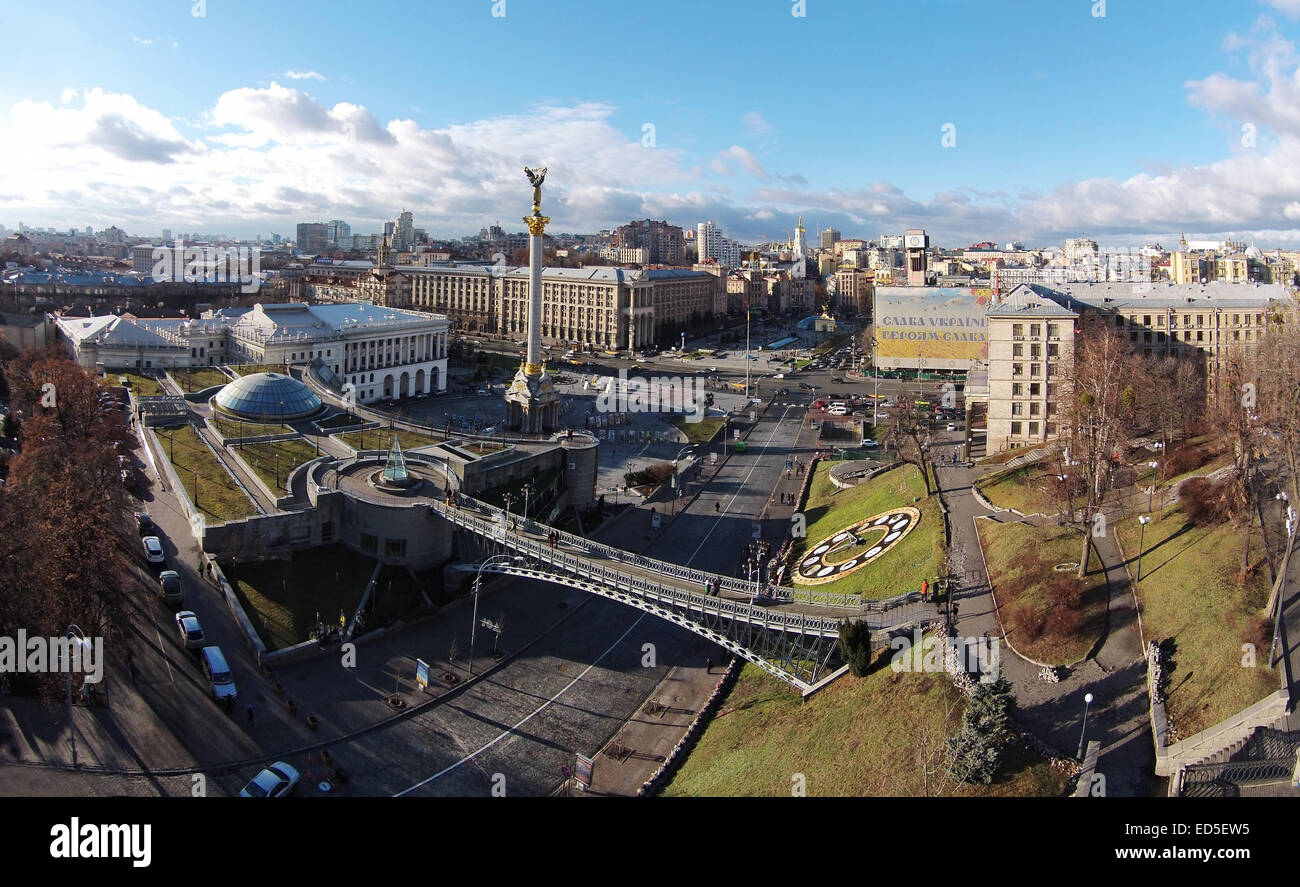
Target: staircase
[1265,756]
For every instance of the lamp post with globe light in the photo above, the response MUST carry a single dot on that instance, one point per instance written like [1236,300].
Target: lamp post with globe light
[1087,701]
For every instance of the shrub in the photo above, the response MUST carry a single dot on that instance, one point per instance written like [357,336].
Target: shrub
[1203,501]
[1066,591]
[855,646]
[1063,622]
[1185,458]
[1025,622]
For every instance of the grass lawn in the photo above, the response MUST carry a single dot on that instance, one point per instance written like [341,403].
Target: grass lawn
[917,556]
[698,432]
[247,369]
[1035,599]
[1189,593]
[341,420]
[218,496]
[229,427]
[1023,488]
[282,598]
[143,386]
[382,439]
[261,457]
[878,735]
[197,379]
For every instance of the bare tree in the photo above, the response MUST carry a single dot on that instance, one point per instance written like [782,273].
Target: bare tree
[1235,420]
[907,431]
[1100,407]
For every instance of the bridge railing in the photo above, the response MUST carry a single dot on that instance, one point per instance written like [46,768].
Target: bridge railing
[686,574]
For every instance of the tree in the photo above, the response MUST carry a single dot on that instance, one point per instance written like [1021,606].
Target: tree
[975,754]
[1235,420]
[907,430]
[1100,408]
[855,646]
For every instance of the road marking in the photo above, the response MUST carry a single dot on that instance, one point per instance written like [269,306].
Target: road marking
[471,756]
[163,654]
[741,488]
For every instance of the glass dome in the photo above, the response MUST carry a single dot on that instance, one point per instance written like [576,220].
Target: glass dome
[268,397]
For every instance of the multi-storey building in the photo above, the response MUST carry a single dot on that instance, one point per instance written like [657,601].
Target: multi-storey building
[710,244]
[660,242]
[312,237]
[829,236]
[1031,330]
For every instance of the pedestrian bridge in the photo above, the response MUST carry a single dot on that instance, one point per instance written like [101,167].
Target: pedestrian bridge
[789,633]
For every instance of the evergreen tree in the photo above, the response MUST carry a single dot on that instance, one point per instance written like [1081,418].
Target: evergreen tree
[975,753]
[855,646]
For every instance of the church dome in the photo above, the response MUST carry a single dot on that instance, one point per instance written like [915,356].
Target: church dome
[268,397]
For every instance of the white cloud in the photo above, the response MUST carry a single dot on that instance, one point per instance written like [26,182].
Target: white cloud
[143,41]
[67,95]
[304,75]
[1288,7]
[756,124]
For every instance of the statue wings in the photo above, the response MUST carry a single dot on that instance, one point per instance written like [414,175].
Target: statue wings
[535,176]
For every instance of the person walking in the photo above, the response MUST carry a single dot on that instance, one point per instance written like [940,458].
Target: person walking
[717,507]
[708,662]
[250,715]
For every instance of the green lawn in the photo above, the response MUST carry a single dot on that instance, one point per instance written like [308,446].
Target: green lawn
[217,496]
[382,439]
[229,427]
[1189,593]
[197,379]
[143,386]
[247,369]
[878,735]
[282,598]
[698,432]
[917,556]
[341,420]
[273,471]
[1024,489]
[1037,612]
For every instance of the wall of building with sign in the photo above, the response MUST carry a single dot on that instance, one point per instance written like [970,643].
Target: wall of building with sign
[930,328]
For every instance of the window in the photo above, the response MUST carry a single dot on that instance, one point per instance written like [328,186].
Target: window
[1146,320]
[1160,320]
[1036,351]
[1035,369]
[1200,336]
[369,543]
[1035,330]
[1017,330]
[1133,336]
[1017,408]
[1034,388]
[1035,409]
[1053,330]
[1017,350]
[1017,369]
[1200,320]
[396,547]
[1015,428]
[1017,389]
[1053,350]
[1033,428]
[327,531]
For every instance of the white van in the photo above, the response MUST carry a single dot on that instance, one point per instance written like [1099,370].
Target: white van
[840,410]
[218,674]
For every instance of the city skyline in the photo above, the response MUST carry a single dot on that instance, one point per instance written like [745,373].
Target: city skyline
[1038,153]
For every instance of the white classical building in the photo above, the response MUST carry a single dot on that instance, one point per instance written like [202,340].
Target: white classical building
[384,352]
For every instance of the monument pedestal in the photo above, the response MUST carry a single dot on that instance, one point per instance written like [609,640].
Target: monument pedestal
[532,404]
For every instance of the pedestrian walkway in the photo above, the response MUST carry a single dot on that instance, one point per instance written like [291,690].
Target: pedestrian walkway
[1115,675]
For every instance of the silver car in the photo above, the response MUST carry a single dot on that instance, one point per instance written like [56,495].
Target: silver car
[275,781]
[191,631]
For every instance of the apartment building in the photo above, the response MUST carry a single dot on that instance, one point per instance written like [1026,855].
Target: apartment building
[1031,330]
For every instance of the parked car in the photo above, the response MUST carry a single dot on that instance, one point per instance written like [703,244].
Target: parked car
[191,631]
[275,781]
[153,550]
[169,583]
[145,523]
[952,426]
[869,444]
[217,673]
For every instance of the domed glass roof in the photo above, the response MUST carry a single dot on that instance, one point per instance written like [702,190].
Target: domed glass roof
[268,397]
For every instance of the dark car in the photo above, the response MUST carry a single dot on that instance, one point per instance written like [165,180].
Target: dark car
[145,523]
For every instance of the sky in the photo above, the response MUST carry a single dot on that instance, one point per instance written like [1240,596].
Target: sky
[1128,121]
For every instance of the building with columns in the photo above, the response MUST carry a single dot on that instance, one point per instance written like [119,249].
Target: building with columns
[384,352]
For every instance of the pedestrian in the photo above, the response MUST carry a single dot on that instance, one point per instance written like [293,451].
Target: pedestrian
[717,506]
[250,715]
[708,661]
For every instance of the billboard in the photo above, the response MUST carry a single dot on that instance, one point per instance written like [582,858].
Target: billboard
[940,328]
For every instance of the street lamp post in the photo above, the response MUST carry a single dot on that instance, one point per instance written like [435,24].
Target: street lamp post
[478,580]
[1143,519]
[1087,701]
[1151,489]
[76,633]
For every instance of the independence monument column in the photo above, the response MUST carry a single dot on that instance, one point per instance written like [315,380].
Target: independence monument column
[532,405]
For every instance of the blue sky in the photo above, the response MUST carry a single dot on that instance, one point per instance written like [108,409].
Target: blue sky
[254,116]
